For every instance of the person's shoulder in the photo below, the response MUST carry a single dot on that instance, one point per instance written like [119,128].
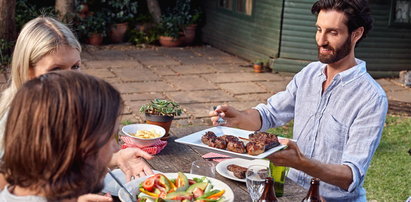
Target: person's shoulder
[371,86]
[5,195]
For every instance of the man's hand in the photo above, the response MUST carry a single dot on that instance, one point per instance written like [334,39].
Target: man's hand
[131,162]
[289,157]
[228,113]
[337,174]
[248,119]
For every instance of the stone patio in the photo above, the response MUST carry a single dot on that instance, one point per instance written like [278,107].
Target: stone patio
[196,77]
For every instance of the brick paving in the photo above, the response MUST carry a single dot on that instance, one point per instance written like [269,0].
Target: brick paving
[197,77]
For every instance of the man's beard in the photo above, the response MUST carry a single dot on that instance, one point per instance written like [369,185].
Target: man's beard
[337,54]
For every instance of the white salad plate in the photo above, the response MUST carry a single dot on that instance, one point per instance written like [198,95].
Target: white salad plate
[133,187]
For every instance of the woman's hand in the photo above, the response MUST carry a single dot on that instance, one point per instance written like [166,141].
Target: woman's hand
[131,162]
[95,198]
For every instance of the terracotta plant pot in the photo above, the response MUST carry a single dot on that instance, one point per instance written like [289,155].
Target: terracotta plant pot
[95,39]
[258,68]
[190,34]
[170,41]
[118,31]
[163,121]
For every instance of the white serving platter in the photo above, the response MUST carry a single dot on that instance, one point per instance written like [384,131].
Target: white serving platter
[195,140]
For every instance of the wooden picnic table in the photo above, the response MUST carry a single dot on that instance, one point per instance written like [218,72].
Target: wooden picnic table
[178,157]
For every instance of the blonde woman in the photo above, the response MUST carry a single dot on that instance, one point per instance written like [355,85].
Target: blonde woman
[44,45]
[39,42]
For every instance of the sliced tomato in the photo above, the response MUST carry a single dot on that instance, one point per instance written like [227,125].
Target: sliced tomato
[197,192]
[149,183]
[191,182]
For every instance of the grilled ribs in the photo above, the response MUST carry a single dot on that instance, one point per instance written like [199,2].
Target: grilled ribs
[259,142]
[255,148]
[236,146]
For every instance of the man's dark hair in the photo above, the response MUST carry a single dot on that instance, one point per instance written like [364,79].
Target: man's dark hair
[357,12]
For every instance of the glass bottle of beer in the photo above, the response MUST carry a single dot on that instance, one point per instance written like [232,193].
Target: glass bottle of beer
[313,194]
[278,174]
[269,192]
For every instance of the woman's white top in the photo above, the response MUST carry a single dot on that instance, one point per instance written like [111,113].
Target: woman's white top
[5,195]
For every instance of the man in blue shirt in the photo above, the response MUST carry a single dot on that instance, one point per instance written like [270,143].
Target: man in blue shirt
[338,109]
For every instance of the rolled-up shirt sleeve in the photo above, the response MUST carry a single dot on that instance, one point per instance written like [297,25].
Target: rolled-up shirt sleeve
[364,137]
[279,108]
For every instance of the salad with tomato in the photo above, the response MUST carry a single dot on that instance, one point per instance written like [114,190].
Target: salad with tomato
[159,188]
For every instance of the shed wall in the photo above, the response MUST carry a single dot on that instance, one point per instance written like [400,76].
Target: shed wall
[291,41]
[249,37]
[386,49]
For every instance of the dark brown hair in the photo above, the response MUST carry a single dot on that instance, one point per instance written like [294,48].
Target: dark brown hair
[56,126]
[357,12]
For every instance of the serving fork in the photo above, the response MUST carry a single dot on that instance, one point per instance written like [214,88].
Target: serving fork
[119,183]
[220,120]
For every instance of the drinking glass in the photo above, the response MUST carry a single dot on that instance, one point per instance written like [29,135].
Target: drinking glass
[255,179]
[202,167]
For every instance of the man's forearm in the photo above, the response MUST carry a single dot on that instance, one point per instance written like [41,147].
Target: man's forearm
[339,175]
[250,120]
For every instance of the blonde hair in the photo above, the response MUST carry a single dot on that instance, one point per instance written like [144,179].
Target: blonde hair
[38,38]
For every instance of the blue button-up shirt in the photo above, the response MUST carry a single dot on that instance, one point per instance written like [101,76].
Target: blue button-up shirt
[342,125]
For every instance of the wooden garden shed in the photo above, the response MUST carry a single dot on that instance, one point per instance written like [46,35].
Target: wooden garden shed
[284,30]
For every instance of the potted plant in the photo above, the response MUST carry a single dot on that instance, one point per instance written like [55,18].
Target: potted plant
[120,12]
[171,34]
[93,28]
[161,112]
[191,28]
[258,65]
[190,19]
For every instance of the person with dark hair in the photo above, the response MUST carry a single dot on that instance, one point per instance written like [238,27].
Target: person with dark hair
[338,109]
[59,137]
[44,45]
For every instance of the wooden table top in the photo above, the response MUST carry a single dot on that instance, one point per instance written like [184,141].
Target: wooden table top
[178,157]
